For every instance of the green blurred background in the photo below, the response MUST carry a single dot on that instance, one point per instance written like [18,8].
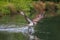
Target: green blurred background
[48,28]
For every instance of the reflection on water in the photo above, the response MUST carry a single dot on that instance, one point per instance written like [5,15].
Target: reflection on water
[16,28]
[11,36]
[8,32]
[49,28]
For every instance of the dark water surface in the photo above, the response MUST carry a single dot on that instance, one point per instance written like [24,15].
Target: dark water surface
[49,28]
[12,32]
[11,36]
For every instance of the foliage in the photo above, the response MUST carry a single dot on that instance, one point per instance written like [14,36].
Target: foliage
[48,0]
[18,4]
[53,0]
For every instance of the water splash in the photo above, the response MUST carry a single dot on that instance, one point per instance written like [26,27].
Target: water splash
[16,29]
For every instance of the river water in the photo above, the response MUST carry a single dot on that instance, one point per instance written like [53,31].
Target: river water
[16,29]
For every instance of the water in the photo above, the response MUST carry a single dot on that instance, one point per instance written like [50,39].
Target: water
[15,28]
[10,30]
[49,28]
